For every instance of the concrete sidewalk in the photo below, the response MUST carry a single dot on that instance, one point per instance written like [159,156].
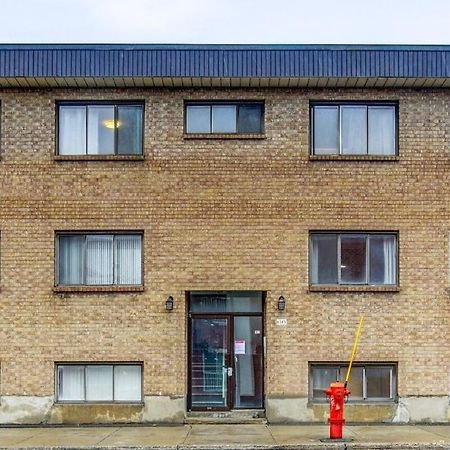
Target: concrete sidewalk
[231,437]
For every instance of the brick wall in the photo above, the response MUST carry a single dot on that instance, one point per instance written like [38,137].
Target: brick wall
[223,214]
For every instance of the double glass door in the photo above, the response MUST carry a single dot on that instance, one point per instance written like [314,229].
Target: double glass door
[225,359]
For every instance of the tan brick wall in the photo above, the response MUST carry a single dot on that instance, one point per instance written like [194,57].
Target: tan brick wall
[223,214]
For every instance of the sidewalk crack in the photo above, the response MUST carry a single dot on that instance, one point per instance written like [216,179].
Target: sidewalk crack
[109,435]
[185,438]
[271,434]
[21,441]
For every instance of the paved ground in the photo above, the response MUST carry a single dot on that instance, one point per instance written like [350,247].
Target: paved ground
[230,437]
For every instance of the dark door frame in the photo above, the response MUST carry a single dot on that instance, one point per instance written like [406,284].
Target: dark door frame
[230,353]
[228,360]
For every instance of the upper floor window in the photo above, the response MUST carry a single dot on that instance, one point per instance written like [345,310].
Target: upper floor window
[99,259]
[368,382]
[100,128]
[354,129]
[224,118]
[99,382]
[353,258]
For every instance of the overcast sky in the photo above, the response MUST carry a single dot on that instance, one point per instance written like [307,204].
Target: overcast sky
[226,21]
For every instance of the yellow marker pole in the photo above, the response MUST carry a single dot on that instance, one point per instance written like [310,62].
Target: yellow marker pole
[355,347]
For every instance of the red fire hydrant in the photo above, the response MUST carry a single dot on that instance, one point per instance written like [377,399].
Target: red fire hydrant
[337,393]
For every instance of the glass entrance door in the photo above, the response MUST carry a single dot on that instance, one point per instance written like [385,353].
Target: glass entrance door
[226,356]
[248,362]
[209,363]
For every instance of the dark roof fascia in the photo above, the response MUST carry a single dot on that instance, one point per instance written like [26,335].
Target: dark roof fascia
[173,62]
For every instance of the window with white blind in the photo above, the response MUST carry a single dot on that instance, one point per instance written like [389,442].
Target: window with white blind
[102,382]
[354,128]
[99,259]
[353,258]
[100,128]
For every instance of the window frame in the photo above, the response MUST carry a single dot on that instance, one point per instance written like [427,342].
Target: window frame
[112,286]
[98,363]
[393,388]
[339,104]
[116,104]
[237,103]
[367,234]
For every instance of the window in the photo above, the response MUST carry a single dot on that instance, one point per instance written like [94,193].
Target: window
[354,129]
[224,118]
[100,129]
[353,258]
[99,259]
[371,381]
[99,382]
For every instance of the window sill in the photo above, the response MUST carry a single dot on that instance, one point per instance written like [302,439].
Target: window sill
[387,158]
[74,289]
[351,288]
[99,157]
[222,136]
[100,403]
[375,402]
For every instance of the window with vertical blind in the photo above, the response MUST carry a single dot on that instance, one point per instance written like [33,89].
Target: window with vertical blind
[353,258]
[354,128]
[100,382]
[98,259]
[368,381]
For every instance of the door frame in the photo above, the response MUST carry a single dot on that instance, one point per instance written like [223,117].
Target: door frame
[230,354]
[228,360]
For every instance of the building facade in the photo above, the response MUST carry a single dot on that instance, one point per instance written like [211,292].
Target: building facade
[195,230]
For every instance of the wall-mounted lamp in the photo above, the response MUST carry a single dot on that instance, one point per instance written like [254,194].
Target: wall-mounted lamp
[281,303]
[169,303]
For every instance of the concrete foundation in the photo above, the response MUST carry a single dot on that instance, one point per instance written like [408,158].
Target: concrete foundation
[24,409]
[34,410]
[166,409]
[406,410]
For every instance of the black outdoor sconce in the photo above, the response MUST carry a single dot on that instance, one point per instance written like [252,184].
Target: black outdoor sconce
[281,303]
[169,303]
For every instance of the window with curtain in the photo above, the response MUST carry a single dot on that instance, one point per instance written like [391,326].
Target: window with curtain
[224,118]
[353,258]
[100,129]
[368,381]
[99,382]
[354,128]
[99,259]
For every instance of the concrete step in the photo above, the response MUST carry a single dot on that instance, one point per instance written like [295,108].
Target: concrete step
[244,416]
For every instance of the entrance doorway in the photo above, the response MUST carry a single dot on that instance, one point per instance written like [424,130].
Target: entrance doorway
[226,356]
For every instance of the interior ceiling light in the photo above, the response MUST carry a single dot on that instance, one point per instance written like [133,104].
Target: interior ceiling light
[110,123]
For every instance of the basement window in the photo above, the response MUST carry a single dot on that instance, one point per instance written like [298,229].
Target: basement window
[99,383]
[368,381]
[100,129]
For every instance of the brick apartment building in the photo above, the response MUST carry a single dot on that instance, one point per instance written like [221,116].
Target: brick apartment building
[195,230]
